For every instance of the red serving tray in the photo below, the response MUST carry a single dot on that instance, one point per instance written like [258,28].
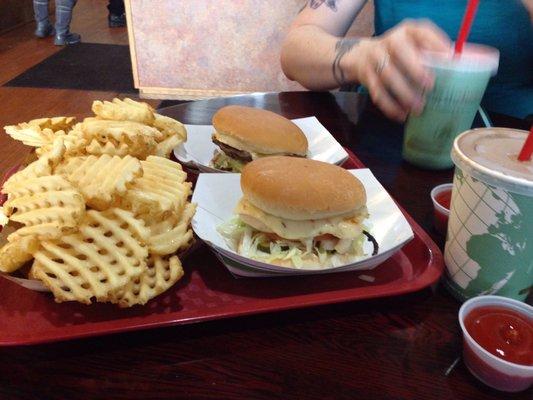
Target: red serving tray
[208,292]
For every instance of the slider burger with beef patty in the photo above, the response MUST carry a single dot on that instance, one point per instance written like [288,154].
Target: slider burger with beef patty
[244,134]
[299,213]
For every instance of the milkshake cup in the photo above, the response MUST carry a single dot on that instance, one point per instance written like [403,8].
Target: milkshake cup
[489,242]
[460,82]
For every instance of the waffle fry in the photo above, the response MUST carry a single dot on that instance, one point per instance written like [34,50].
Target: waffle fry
[48,206]
[173,233]
[97,148]
[40,132]
[118,130]
[140,139]
[55,152]
[161,274]
[30,135]
[165,147]
[161,188]
[98,205]
[124,110]
[174,133]
[54,123]
[103,257]
[101,180]
[14,255]
[73,141]
[170,127]
[41,167]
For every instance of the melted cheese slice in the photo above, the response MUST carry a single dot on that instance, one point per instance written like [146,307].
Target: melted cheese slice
[236,144]
[345,227]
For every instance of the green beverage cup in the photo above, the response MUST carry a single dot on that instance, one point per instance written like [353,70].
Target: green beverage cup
[451,106]
[489,243]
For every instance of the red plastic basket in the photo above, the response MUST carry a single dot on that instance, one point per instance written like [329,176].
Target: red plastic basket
[208,291]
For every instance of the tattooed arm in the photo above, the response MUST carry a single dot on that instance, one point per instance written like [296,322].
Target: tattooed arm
[317,55]
[313,45]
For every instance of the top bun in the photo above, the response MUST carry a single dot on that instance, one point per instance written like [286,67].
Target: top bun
[301,189]
[260,131]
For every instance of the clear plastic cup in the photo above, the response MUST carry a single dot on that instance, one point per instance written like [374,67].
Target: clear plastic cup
[440,212]
[451,105]
[489,369]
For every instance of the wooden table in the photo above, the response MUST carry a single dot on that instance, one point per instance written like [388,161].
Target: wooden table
[393,348]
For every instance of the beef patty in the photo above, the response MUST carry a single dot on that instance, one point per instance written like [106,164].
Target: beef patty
[240,155]
[233,152]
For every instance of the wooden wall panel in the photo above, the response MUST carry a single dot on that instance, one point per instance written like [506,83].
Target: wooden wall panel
[205,48]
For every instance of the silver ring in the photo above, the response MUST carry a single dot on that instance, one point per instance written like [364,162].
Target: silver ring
[382,64]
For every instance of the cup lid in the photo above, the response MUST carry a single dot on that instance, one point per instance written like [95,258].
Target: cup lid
[490,155]
[475,57]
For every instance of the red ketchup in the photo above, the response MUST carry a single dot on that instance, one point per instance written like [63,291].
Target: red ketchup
[441,219]
[444,198]
[505,333]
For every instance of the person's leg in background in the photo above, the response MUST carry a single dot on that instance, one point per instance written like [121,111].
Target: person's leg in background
[44,27]
[63,18]
[117,16]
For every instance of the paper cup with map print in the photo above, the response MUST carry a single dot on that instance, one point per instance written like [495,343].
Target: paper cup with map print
[489,244]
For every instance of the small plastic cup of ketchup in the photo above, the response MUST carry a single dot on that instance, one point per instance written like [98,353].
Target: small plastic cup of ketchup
[441,197]
[498,341]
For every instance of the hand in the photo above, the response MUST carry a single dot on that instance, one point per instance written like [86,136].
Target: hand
[390,66]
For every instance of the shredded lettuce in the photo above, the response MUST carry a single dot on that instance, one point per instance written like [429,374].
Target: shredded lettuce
[357,245]
[254,242]
[322,255]
[259,246]
[224,162]
[232,230]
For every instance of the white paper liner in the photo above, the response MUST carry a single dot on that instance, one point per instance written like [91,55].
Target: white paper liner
[197,152]
[37,285]
[218,194]
[32,284]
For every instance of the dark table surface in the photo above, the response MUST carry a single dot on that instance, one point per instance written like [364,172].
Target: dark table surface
[391,348]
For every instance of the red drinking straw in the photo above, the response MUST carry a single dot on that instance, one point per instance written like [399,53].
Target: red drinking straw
[468,18]
[527,149]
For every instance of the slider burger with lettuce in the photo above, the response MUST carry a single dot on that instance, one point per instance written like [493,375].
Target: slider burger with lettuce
[244,134]
[299,213]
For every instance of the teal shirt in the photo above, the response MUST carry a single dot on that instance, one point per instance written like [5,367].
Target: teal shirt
[503,24]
